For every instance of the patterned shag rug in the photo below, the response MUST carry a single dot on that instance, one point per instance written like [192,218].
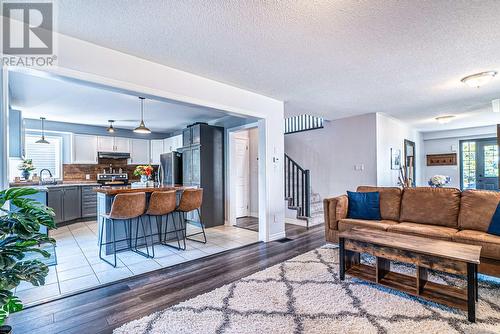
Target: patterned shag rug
[305,295]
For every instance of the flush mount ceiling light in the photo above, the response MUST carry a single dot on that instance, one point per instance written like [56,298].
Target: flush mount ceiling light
[42,139]
[496,105]
[142,128]
[110,128]
[444,119]
[479,79]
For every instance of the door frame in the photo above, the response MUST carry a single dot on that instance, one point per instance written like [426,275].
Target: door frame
[460,154]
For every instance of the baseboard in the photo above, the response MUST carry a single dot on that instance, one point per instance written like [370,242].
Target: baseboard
[277,236]
[254,214]
[298,222]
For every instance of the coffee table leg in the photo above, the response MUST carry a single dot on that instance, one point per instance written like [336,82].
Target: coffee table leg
[471,291]
[341,259]
[477,283]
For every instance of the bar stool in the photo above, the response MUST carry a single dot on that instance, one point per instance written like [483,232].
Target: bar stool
[163,203]
[125,207]
[191,200]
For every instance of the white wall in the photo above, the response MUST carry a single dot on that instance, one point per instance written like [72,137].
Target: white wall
[332,153]
[438,142]
[80,60]
[391,133]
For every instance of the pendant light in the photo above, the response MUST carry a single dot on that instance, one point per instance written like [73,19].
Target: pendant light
[110,128]
[142,128]
[42,140]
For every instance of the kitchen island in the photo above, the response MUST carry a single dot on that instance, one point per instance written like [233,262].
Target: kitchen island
[105,197]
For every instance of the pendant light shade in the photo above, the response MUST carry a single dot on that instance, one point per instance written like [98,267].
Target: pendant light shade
[142,127]
[42,140]
[110,128]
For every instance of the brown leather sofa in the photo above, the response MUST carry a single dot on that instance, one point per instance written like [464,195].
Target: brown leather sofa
[437,213]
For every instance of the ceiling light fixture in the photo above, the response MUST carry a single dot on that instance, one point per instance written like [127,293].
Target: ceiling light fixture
[110,128]
[142,128]
[42,140]
[444,119]
[479,79]
[496,105]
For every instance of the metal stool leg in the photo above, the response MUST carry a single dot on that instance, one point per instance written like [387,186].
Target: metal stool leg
[136,250]
[175,230]
[114,242]
[202,230]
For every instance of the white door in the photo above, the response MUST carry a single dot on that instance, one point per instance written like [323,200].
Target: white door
[156,150]
[84,149]
[242,164]
[139,153]
[105,144]
[122,145]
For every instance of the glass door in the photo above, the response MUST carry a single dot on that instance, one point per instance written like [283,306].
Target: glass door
[479,164]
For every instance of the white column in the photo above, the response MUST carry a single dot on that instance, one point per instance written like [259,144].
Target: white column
[4,129]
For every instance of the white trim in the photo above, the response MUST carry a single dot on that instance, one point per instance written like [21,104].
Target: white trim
[4,129]
[277,236]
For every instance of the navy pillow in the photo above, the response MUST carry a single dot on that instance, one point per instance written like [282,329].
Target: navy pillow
[494,227]
[364,205]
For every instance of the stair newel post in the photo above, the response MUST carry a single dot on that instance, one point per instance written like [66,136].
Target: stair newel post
[307,185]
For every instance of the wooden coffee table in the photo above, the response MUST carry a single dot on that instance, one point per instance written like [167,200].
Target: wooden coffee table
[425,253]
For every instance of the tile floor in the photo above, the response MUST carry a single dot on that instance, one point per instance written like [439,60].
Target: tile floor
[79,267]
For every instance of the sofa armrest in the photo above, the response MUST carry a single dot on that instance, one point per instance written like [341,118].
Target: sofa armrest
[335,209]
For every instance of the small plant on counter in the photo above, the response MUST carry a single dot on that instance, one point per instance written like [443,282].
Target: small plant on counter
[144,171]
[26,167]
[20,222]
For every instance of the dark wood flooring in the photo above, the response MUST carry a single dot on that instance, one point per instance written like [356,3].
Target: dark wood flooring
[252,223]
[105,308]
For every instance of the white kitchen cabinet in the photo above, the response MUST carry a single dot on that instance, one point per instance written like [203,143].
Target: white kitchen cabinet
[172,143]
[139,151]
[122,145]
[113,144]
[84,149]
[105,144]
[156,150]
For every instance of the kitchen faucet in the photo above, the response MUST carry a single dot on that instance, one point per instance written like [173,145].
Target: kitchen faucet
[43,170]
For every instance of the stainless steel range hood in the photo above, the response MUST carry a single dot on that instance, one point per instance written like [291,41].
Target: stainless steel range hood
[113,155]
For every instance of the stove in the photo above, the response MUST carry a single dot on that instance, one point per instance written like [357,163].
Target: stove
[113,179]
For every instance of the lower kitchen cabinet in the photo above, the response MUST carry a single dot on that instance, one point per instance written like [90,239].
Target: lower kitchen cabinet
[74,202]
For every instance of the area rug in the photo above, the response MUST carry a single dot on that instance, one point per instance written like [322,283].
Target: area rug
[305,295]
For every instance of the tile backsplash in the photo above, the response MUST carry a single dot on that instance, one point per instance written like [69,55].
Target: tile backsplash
[77,172]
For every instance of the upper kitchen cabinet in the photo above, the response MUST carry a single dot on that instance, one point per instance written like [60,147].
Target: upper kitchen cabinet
[156,150]
[139,153]
[172,143]
[113,144]
[84,149]
[191,135]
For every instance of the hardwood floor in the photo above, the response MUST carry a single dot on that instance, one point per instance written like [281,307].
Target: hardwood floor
[103,309]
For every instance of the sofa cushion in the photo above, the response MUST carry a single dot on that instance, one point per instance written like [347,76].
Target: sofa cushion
[424,230]
[335,209]
[490,243]
[364,205]
[434,206]
[477,208]
[347,224]
[390,200]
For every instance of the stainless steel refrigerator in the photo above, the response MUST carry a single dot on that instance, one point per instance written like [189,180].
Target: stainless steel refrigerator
[171,168]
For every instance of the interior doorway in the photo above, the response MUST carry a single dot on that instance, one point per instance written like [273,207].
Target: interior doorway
[479,164]
[244,161]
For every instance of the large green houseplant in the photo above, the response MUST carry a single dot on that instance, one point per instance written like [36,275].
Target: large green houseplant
[20,222]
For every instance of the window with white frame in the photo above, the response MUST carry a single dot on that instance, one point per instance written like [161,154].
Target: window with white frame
[48,156]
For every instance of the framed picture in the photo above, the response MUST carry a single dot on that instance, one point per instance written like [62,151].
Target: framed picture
[395,158]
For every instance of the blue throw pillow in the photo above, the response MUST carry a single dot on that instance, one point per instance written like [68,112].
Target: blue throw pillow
[494,227]
[364,205]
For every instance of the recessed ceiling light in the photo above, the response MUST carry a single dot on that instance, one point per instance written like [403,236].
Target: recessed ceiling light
[479,79]
[444,119]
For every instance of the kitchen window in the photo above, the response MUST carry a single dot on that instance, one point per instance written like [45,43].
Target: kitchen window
[47,156]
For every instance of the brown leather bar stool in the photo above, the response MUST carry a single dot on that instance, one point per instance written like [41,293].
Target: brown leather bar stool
[191,200]
[125,207]
[163,203]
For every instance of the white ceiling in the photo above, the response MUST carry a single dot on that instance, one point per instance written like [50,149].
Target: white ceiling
[331,58]
[71,102]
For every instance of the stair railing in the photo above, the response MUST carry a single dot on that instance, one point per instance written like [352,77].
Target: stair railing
[297,187]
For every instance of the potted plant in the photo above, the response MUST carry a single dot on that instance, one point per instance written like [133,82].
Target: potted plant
[144,171]
[20,222]
[26,167]
[438,181]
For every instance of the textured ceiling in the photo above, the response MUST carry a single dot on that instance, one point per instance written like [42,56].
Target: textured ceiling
[332,58]
[70,102]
